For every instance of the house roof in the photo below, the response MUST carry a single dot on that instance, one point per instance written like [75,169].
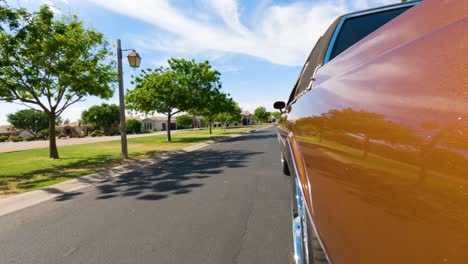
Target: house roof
[7,129]
[132,117]
[71,124]
[158,118]
[245,113]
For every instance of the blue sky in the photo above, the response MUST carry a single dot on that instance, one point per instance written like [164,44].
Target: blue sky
[258,46]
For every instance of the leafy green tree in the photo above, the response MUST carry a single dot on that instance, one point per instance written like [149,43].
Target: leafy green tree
[276,115]
[102,116]
[51,63]
[29,119]
[231,113]
[261,114]
[159,91]
[200,80]
[134,126]
[185,85]
[184,121]
[216,103]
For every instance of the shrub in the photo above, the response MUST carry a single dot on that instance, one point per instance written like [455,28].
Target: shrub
[115,133]
[134,126]
[3,138]
[31,138]
[43,134]
[16,138]
[184,121]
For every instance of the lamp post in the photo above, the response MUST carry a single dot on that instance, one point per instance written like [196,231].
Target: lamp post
[134,60]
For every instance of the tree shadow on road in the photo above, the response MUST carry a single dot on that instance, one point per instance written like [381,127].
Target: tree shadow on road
[179,174]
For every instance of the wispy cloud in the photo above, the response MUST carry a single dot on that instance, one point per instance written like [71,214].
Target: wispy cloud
[52,4]
[283,34]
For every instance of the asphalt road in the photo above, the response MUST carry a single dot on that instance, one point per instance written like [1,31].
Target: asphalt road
[227,203]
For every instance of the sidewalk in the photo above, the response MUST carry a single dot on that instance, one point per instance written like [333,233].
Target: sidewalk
[27,145]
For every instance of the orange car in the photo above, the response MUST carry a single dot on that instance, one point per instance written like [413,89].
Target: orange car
[376,139]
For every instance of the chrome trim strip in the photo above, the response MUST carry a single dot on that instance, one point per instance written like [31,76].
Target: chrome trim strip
[313,78]
[342,20]
[300,205]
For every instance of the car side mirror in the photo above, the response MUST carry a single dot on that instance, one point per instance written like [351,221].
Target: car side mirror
[279,105]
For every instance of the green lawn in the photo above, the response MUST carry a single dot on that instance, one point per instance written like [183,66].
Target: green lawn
[32,169]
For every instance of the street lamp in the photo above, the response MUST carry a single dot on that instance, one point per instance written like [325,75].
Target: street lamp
[134,60]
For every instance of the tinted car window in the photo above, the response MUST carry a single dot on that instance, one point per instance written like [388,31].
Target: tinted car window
[356,28]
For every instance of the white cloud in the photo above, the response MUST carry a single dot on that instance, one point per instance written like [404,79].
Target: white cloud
[283,34]
[33,4]
[280,34]
[228,11]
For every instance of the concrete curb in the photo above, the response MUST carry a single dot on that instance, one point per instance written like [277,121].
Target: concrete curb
[17,202]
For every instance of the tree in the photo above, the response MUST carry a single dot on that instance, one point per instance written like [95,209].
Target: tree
[102,116]
[216,102]
[159,91]
[51,63]
[200,80]
[29,119]
[261,114]
[231,113]
[134,126]
[276,115]
[184,121]
[183,86]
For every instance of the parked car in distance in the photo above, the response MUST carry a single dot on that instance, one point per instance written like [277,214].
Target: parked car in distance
[375,138]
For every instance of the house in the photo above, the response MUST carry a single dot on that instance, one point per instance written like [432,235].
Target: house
[198,121]
[9,130]
[246,118]
[158,123]
[66,130]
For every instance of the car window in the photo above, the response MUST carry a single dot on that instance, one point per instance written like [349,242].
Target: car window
[356,28]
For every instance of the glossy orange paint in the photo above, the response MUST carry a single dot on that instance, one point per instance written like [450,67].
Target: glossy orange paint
[382,142]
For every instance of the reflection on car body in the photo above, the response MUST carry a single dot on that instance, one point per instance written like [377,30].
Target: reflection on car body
[377,141]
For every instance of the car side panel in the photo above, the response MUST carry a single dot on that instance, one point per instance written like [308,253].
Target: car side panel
[384,147]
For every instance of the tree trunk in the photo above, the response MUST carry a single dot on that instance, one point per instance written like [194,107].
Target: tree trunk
[194,119]
[168,128]
[53,153]
[210,126]
[225,125]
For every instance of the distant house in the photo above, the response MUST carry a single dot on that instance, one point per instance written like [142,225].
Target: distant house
[9,130]
[66,130]
[198,121]
[246,118]
[157,123]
